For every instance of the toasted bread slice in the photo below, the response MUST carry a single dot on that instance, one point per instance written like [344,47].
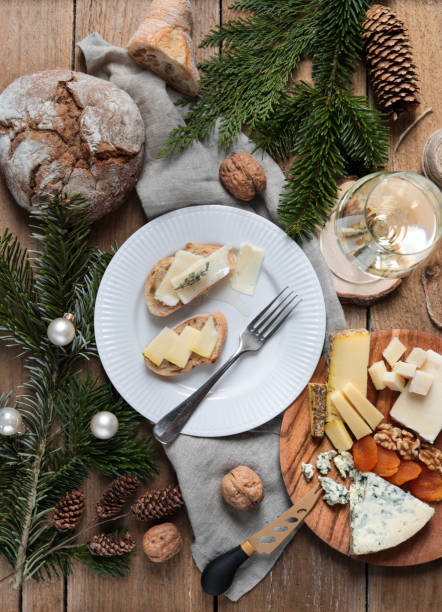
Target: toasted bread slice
[158,272]
[169,369]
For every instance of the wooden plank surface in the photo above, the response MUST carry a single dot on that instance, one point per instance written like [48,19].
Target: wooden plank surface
[38,35]
[309,576]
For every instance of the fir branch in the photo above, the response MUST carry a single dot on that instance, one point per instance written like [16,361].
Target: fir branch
[324,129]
[118,566]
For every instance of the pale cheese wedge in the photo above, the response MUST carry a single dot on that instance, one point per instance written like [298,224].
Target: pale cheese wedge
[338,435]
[349,415]
[156,351]
[348,362]
[364,407]
[165,292]
[218,268]
[246,271]
[207,339]
[180,351]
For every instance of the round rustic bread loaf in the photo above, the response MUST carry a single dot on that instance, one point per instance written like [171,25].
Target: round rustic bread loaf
[69,132]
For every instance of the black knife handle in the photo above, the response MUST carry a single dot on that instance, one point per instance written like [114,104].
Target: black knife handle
[219,573]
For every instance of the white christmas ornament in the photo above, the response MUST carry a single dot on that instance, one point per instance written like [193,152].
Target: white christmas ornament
[11,422]
[61,331]
[104,425]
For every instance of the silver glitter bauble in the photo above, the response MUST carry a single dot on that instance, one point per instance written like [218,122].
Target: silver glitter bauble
[11,422]
[104,425]
[61,331]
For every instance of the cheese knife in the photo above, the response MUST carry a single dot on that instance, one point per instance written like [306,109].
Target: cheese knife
[219,573]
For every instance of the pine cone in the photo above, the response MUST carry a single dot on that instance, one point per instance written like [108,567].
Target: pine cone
[68,511]
[111,545]
[158,503]
[389,61]
[114,498]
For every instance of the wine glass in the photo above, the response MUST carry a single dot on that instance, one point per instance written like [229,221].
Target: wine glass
[388,223]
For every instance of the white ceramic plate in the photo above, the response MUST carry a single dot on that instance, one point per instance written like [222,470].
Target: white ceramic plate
[260,385]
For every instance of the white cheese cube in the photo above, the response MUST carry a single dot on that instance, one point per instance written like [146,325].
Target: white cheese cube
[160,345]
[434,363]
[393,381]
[246,270]
[421,383]
[377,371]
[394,351]
[407,370]
[417,356]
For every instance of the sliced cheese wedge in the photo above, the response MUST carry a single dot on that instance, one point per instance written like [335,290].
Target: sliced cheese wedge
[207,339]
[246,271]
[180,351]
[338,435]
[156,351]
[165,292]
[349,415]
[383,515]
[365,408]
[349,354]
[218,268]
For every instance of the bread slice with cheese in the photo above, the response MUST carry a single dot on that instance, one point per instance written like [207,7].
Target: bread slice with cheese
[159,271]
[166,368]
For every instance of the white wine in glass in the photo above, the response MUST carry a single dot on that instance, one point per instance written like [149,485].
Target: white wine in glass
[388,223]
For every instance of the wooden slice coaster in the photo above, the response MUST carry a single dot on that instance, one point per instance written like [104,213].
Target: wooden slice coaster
[351,284]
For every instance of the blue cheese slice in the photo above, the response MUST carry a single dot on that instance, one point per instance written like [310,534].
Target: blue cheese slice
[383,515]
[323,461]
[334,492]
[344,463]
[182,260]
[308,470]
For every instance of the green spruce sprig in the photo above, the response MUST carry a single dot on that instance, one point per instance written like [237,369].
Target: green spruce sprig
[57,450]
[323,128]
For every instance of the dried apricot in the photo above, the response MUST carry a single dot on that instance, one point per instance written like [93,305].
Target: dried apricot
[427,486]
[408,470]
[387,464]
[365,453]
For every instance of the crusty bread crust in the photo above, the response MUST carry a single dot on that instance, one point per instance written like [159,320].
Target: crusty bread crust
[198,321]
[158,272]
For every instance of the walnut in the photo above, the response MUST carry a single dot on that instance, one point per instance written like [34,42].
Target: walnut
[242,488]
[242,176]
[431,456]
[162,542]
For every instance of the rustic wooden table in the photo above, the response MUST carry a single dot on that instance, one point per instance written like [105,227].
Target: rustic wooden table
[38,34]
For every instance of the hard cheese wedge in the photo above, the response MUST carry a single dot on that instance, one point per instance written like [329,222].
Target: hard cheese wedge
[207,340]
[357,425]
[218,268]
[422,413]
[349,354]
[165,293]
[180,351]
[365,408]
[383,515]
[246,271]
[338,435]
[160,345]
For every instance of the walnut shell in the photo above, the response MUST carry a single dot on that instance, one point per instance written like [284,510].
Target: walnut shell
[242,488]
[242,176]
[162,542]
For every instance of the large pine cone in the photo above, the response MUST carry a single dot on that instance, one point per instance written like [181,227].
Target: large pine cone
[158,503]
[111,545]
[389,61]
[67,513]
[117,495]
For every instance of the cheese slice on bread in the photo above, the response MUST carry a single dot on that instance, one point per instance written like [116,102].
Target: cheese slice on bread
[162,298]
[196,341]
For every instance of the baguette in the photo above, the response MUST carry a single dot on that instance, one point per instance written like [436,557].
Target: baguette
[159,271]
[169,369]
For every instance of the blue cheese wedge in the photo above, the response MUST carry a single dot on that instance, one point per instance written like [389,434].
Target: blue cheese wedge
[308,470]
[344,463]
[323,461]
[383,515]
[334,492]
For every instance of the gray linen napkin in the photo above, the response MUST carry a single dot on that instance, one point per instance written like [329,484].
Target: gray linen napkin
[188,179]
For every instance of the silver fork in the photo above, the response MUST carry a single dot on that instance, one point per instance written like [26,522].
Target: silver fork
[257,332]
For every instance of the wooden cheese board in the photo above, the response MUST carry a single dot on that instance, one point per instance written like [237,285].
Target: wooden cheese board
[332,523]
